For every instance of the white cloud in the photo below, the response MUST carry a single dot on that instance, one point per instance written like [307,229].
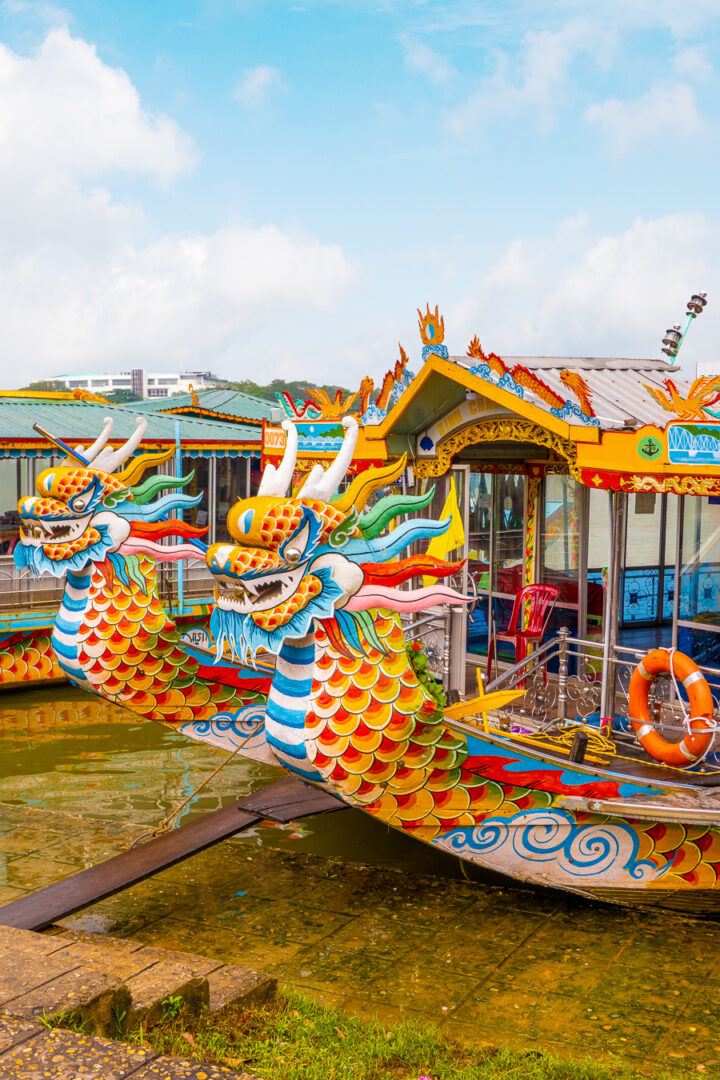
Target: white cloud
[692,63]
[499,21]
[663,113]
[42,12]
[84,279]
[256,85]
[166,302]
[421,58]
[65,112]
[536,79]
[611,295]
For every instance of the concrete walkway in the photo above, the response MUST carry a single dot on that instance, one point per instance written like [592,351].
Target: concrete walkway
[491,964]
[29,1051]
[102,984]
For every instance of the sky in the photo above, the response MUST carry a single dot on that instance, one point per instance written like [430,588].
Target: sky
[270,189]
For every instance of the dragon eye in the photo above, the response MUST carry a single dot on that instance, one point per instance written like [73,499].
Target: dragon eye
[79,504]
[292,555]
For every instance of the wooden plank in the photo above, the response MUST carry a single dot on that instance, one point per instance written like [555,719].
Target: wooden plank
[283,801]
[288,799]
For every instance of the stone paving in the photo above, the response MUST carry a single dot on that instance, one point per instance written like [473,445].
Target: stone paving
[30,1052]
[491,964]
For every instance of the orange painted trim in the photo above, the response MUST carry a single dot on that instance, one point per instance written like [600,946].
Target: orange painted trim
[620,452]
[576,433]
[159,444]
[196,411]
[55,395]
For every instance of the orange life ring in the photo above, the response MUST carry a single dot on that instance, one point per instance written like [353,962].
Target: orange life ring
[699,735]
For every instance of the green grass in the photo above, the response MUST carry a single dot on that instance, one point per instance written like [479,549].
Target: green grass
[295,1038]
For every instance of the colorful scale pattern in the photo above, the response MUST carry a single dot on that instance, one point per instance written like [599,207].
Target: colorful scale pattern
[376,746]
[275,520]
[693,852]
[379,747]
[130,652]
[58,552]
[30,660]
[309,587]
[41,506]
[241,561]
[65,483]
[329,516]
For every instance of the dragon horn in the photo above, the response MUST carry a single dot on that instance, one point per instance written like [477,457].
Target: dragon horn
[277,481]
[109,460]
[92,451]
[323,483]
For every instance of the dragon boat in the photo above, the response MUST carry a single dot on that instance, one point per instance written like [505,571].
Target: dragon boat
[319,579]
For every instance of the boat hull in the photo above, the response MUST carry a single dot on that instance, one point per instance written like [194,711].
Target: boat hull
[626,861]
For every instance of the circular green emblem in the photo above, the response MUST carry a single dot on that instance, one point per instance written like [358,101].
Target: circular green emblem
[650,448]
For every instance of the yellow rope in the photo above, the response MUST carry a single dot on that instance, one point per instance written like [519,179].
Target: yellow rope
[599,746]
[166,824]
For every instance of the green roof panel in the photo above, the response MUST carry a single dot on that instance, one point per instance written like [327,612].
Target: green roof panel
[228,402]
[69,419]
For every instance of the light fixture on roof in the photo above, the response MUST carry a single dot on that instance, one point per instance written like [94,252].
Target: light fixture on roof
[672,340]
[674,337]
[696,303]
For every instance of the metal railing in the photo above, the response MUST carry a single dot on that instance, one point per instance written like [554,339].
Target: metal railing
[572,690]
[23,593]
[431,631]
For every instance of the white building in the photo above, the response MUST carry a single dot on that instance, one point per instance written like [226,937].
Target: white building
[149,384]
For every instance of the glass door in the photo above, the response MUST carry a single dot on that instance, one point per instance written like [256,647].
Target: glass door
[560,518]
[646,599]
[698,616]
[496,549]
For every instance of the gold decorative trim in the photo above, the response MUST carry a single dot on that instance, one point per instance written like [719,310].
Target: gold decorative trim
[677,485]
[497,430]
[533,487]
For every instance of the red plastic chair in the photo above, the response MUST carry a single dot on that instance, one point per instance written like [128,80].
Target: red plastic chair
[538,600]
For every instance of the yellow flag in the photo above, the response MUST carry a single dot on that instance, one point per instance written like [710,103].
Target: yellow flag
[454,535]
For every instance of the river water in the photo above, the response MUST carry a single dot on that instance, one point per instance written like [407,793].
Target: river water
[64,750]
[342,908]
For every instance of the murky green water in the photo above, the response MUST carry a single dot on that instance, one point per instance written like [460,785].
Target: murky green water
[64,750]
[490,961]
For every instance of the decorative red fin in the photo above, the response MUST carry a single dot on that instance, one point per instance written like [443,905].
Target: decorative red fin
[394,573]
[155,530]
[107,572]
[229,677]
[336,638]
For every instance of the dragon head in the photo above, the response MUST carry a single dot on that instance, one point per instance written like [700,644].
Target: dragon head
[312,555]
[86,511]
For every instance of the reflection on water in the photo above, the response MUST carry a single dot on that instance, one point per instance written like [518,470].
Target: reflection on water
[64,750]
[501,965]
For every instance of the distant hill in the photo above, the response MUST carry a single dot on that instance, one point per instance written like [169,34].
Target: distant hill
[297,389]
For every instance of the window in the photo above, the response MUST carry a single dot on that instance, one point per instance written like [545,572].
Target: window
[99,382]
[9,495]
[700,561]
[197,515]
[230,485]
[79,383]
[166,382]
[560,533]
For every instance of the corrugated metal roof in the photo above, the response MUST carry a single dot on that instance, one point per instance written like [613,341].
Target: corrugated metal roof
[226,402]
[619,397]
[84,420]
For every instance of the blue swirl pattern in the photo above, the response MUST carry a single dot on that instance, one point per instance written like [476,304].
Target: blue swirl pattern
[229,730]
[550,836]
